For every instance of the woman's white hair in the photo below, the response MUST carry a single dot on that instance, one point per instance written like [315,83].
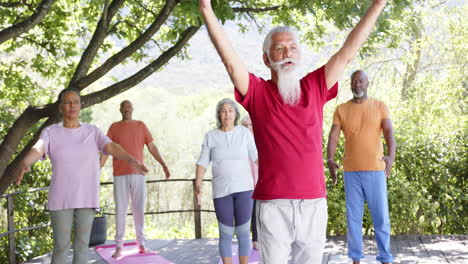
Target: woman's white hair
[279,29]
[218,109]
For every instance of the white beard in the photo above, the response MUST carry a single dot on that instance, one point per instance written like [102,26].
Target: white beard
[289,85]
[359,95]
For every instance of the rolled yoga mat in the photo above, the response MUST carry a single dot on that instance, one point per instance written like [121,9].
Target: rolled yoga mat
[130,255]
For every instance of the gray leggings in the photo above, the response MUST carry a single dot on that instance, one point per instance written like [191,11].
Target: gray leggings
[62,222]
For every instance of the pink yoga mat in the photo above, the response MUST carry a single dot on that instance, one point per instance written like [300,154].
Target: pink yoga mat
[253,259]
[130,255]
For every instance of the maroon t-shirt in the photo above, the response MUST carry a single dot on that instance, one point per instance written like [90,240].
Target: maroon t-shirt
[288,138]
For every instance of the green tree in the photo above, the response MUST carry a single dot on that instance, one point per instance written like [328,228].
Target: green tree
[69,54]
[432,126]
[424,83]
[79,43]
[20,25]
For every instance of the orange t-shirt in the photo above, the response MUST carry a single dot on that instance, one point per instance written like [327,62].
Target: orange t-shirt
[362,127]
[132,136]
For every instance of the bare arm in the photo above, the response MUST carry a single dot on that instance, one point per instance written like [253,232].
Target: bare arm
[336,65]
[331,149]
[118,152]
[103,159]
[233,63]
[199,173]
[391,145]
[157,156]
[36,152]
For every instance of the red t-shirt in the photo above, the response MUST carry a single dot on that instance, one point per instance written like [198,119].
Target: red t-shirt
[288,138]
[132,136]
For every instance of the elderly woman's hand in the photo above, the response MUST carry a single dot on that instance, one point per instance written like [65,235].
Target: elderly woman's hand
[118,152]
[138,165]
[20,171]
[36,152]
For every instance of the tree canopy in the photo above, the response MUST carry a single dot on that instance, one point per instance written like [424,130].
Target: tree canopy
[415,60]
[61,44]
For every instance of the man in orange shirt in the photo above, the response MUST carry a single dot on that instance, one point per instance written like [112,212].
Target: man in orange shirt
[362,120]
[132,135]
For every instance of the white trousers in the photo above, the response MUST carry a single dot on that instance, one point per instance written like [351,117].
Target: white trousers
[133,187]
[296,227]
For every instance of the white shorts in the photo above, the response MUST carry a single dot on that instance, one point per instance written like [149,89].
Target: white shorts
[296,227]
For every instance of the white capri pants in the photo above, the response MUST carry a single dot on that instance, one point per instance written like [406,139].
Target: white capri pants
[296,227]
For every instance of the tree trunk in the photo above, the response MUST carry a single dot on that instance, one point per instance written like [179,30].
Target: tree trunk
[412,65]
[13,138]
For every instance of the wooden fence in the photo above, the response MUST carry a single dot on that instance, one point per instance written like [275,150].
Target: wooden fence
[11,221]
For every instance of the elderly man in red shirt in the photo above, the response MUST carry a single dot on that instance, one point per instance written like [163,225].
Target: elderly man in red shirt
[287,115]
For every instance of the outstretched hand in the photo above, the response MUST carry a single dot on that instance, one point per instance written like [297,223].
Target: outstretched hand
[167,172]
[139,166]
[23,168]
[388,165]
[332,167]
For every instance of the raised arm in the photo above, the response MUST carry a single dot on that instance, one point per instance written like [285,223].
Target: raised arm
[391,145]
[118,152]
[331,149]
[36,152]
[336,65]
[233,63]
[157,156]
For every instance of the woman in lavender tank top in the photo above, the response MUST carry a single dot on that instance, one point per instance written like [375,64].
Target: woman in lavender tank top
[73,149]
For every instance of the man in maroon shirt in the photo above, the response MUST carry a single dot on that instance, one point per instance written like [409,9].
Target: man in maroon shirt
[287,116]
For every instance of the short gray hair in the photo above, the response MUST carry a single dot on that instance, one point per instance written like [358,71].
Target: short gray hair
[126,101]
[359,71]
[218,109]
[279,29]
[65,91]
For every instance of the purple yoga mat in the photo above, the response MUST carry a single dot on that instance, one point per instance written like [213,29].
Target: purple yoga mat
[130,255]
[253,259]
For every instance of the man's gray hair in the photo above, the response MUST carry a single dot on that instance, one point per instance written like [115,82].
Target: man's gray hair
[279,29]
[125,101]
[359,71]
[218,109]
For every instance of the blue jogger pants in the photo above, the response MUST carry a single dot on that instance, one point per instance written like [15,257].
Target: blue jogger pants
[370,187]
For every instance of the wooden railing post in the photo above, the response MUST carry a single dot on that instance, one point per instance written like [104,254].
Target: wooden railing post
[196,214]
[11,228]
